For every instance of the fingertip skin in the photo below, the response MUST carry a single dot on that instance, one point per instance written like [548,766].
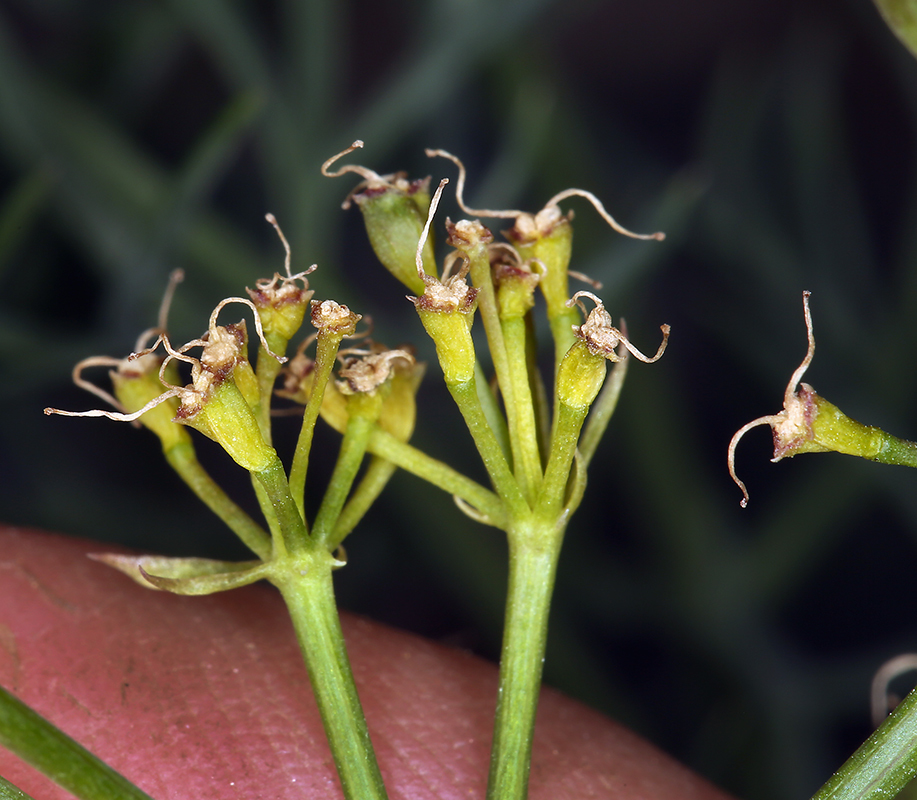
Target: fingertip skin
[207,697]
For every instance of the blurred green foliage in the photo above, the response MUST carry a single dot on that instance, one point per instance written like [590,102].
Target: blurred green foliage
[901,16]
[774,142]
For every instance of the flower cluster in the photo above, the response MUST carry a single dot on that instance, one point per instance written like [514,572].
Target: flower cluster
[532,434]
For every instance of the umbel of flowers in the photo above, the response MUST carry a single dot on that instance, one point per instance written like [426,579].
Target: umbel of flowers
[535,433]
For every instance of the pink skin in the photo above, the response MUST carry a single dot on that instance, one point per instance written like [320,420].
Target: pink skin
[207,697]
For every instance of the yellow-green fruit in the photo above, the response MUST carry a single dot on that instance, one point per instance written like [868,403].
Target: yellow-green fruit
[226,417]
[580,376]
[394,222]
[451,333]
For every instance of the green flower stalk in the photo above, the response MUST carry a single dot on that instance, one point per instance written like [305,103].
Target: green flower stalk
[227,400]
[334,322]
[401,375]
[446,309]
[582,372]
[810,424]
[366,382]
[538,477]
[579,381]
[515,284]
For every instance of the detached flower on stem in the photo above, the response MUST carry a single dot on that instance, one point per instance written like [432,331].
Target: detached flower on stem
[810,424]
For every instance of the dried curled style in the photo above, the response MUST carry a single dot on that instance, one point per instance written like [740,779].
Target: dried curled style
[460,190]
[371,178]
[212,327]
[287,260]
[451,292]
[363,172]
[220,345]
[544,218]
[140,361]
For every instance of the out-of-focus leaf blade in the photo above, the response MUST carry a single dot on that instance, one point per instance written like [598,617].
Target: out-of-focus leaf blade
[37,742]
[901,17]
[10,792]
[19,209]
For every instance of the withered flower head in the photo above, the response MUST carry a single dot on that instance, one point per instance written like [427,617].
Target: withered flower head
[515,280]
[792,427]
[216,402]
[447,308]
[452,293]
[334,318]
[282,301]
[367,370]
[602,338]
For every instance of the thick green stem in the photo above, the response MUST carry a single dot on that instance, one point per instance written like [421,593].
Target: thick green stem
[309,595]
[350,457]
[533,554]
[182,459]
[10,792]
[441,475]
[884,764]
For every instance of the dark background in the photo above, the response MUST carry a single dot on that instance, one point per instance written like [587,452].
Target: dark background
[773,141]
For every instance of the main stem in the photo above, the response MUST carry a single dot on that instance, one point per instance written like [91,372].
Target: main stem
[533,554]
[309,595]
